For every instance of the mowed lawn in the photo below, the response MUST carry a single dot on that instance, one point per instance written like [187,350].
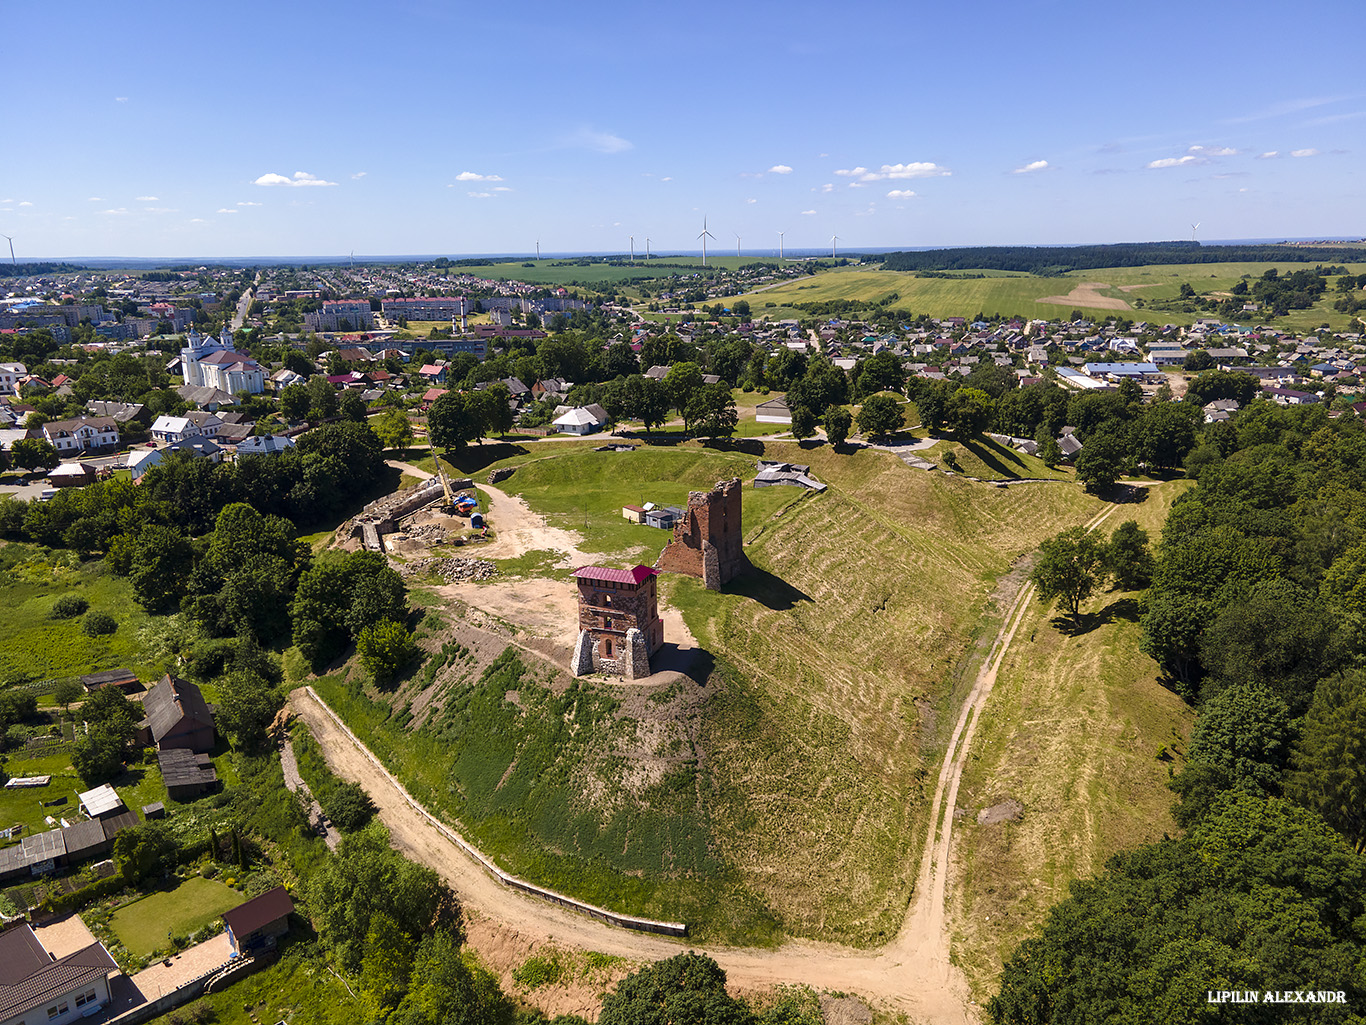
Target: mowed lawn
[144,925]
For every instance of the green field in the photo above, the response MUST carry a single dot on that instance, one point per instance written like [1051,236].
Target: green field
[1020,294]
[553,272]
[33,646]
[146,925]
[989,460]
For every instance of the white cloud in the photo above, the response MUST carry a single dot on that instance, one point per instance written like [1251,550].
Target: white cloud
[857,185]
[852,172]
[480,195]
[1174,161]
[471,176]
[807,213]
[120,211]
[601,142]
[1270,154]
[780,169]
[92,199]
[900,194]
[198,220]
[120,99]
[301,179]
[751,201]
[501,188]
[146,199]
[1214,151]
[247,202]
[667,178]
[919,170]
[1304,152]
[358,174]
[26,203]
[1033,165]
[159,210]
[227,210]
[828,187]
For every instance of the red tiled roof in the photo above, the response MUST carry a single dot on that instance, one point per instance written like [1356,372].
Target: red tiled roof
[616,576]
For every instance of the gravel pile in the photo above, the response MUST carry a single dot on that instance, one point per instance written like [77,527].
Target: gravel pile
[453,569]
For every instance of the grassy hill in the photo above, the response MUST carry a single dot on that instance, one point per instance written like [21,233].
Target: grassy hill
[832,657]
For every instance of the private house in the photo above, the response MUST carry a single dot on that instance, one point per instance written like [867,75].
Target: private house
[185,773]
[206,396]
[170,429]
[551,388]
[142,460]
[197,447]
[232,435]
[774,411]
[265,444]
[37,986]
[88,434]
[120,412]
[10,376]
[433,373]
[282,379]
[177,716]
[207,422]
[582,420]
[257,924]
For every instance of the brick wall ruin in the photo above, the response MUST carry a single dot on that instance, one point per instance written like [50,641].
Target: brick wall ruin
[707,542]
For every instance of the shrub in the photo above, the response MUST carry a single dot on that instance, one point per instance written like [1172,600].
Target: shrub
[348,806]
[69,606]
[97,624]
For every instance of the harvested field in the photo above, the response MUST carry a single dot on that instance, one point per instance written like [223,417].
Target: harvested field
[1087,294]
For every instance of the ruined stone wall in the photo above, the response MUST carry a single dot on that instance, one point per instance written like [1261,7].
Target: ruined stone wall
[709,542]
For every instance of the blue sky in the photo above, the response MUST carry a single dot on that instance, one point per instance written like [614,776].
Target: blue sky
[306,128]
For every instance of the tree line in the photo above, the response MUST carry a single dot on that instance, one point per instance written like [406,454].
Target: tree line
[1048,260]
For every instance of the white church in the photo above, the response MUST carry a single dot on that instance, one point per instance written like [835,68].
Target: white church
[206,361]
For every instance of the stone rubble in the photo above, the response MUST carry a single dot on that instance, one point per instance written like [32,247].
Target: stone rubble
[451,569]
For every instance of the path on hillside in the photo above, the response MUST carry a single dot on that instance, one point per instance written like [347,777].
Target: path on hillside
[913,973]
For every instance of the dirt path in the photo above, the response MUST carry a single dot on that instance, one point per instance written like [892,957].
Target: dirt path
[518,530]
[1088,294]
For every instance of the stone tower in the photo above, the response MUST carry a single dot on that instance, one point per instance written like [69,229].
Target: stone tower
[707,542]
[619,624]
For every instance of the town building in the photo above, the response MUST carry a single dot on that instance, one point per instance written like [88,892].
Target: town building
[87,434]
[38,986]
[619,623]
[212,362]
[355,313]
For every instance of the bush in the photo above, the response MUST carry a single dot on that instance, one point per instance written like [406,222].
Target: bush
[348,806]
[69,606]
[97,624]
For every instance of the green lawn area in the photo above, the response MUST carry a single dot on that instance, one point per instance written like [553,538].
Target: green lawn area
[33,646]
[143,926]
[139,785]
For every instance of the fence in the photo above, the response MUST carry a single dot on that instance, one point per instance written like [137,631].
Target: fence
[510,881]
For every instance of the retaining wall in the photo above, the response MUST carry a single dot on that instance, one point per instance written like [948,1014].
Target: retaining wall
[510,881]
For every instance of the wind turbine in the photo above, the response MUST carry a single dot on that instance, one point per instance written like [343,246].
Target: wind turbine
[353,259]
[704,236]
[834,239]
[780,244]
[10,240]
[647,248]
[633,250]
[737,243]
[538,249]
[1193,227]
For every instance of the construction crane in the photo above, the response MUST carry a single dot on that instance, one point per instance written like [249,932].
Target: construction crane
[445,484]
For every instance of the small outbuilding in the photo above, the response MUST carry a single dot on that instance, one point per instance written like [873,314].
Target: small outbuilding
[774,411]
[634,513]
[185,773]
[102,802]
[257,924]
[124,679]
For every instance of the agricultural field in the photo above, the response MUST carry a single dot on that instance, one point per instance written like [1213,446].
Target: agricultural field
[555,272]
[1118,291]
[793,804]
[1079,733]
[145,925]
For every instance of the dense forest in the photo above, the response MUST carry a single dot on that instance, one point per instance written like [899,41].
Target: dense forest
[1050,260]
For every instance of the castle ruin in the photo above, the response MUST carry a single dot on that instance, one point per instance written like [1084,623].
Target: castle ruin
[619,624]
[707,542]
